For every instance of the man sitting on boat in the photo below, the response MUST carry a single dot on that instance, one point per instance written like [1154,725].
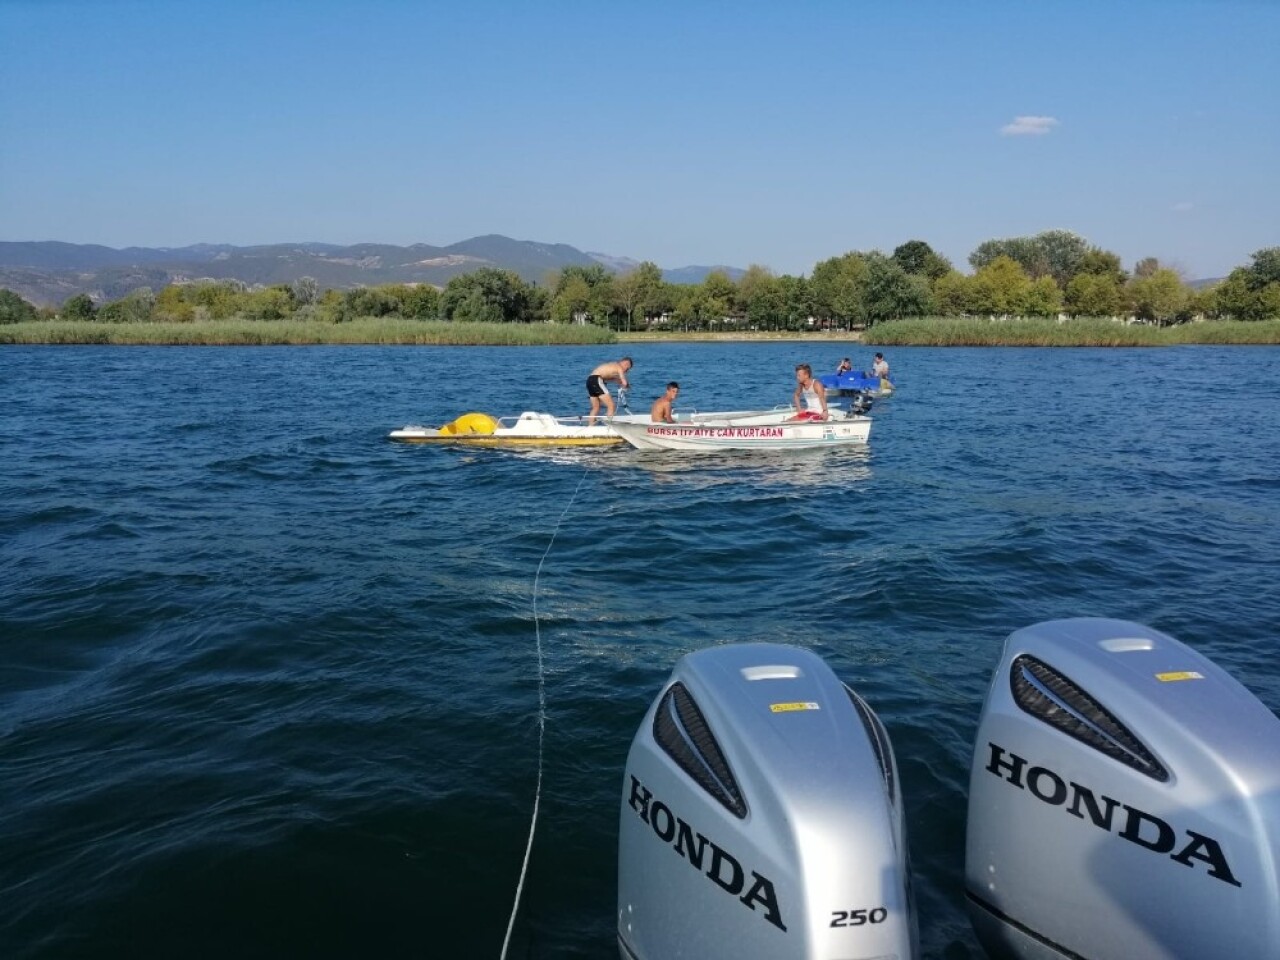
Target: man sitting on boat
[811,392]
[661,411]
[597,390]
[845,366]
[880,366]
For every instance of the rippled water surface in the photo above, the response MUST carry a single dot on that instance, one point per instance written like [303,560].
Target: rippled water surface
[269,682]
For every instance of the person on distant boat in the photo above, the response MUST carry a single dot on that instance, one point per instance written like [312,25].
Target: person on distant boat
[661,411]
[880,366]
[811,392]
[845,366]
[597,390]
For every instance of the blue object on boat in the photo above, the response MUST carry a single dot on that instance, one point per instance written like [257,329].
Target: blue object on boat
[857,381]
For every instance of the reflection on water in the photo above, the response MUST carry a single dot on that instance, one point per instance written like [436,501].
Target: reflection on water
[813,468]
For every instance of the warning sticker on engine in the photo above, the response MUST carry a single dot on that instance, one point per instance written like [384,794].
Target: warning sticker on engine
[791,707]
[1179,675]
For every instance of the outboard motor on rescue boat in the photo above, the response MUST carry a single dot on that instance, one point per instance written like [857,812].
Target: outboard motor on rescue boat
[1124,802]
[761,817]
[860,402]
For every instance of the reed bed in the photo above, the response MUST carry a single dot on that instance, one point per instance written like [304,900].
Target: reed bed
[1080,332]
[367,330]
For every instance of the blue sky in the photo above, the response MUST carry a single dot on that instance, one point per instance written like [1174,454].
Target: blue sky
[681,132]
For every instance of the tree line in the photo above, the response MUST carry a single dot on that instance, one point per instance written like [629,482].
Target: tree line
[1052,273]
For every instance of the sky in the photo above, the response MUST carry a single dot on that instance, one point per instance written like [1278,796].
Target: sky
[683,132]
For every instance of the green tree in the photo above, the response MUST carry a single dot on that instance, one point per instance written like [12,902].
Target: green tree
[1093,295]
[79,307]
[797,301]
[1161,297]
[366,302]
[1265,268]
[918,258]
[1001,287]
[760,298]
[1146,267]
[584,293]
[219,300]
[13,309]
[1062,252]
[1053,253]
[721,295]
[271,303]
[1243,297]
[1044,298]
[626,289]
[488,295]
[172,304]
[750,284]
[838,285]
[306,291]
[1023,251]
[1103,263]
[421,301]
[891,292]
[952,294]
[641,291]
[137,306]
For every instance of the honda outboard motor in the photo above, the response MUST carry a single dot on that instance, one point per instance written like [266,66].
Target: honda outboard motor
[1124,802]
[761,817]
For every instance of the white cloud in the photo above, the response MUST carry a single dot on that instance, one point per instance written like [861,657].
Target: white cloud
[1029,126]
[1183,206]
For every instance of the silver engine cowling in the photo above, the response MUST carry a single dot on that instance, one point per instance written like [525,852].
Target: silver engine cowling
[761,817]
[1124,802]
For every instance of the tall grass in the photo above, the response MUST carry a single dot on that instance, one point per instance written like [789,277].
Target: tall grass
[234,332]
[1081,332]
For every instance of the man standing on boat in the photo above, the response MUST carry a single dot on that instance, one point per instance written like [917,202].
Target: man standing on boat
[811,392]
[661,411]
[597,390]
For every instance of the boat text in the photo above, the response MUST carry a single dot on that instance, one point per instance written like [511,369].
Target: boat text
[724,870]
[718,433]
[1139,827]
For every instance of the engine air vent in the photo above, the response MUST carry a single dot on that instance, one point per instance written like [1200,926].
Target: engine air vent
[879,741]
[682,732]
[1049,696]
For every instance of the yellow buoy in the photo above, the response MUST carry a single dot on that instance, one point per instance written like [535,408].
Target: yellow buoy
[470,423]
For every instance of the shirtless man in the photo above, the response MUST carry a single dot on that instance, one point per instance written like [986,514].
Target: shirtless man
[597,390]
[661,411]
[813,393]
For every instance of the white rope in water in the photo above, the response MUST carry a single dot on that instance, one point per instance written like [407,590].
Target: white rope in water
[542,718]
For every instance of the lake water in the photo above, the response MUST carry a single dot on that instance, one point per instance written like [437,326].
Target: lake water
[269,682]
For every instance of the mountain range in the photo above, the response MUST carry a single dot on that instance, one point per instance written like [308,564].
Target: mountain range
[48,272]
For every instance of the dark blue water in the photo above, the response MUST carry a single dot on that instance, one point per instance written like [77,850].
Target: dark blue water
[268,683]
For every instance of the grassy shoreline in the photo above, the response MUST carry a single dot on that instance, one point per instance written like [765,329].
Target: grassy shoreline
[367,330]
[1082,332]
[932,332]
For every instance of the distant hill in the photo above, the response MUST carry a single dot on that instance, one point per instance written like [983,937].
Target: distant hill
[698,274]
[1201,284]
[48,272]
